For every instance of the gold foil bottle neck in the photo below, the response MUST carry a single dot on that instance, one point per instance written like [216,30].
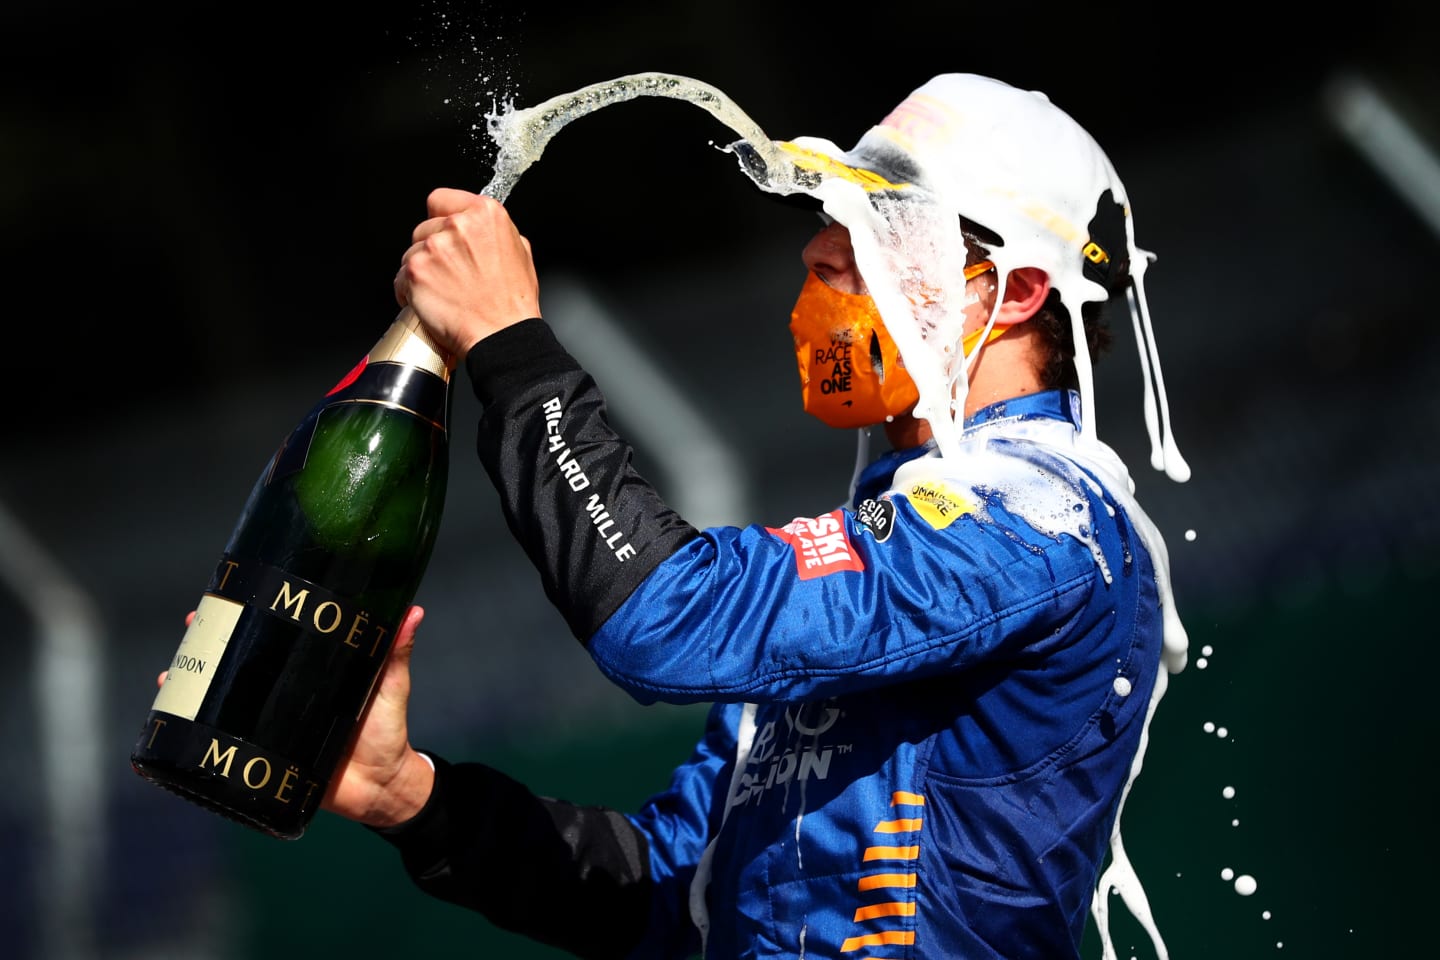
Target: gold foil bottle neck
[408,343]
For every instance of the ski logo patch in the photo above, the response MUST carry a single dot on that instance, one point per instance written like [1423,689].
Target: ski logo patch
[821,545]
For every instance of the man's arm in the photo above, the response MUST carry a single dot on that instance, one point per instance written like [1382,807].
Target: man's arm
[570,876]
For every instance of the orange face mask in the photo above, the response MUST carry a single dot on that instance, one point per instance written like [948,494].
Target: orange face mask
[851,373]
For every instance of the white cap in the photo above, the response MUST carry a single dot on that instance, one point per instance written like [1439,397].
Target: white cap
[1011,161]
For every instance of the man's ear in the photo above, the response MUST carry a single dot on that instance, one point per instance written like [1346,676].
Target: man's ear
[1025,293]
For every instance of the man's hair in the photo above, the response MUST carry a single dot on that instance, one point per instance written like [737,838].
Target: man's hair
[1051,321]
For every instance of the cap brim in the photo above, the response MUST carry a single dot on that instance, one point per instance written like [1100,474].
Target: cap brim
[809,168]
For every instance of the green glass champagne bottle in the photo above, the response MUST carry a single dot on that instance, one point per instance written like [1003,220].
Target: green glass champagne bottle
[263,694]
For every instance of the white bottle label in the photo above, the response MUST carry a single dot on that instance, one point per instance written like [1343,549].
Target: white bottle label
[199,654]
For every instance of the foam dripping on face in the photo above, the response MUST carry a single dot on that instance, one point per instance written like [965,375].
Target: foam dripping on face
[904,246]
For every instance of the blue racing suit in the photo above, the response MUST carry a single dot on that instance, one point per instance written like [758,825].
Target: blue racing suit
[926,704]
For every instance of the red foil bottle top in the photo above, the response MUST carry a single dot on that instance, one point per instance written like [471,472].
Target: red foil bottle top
[350,377]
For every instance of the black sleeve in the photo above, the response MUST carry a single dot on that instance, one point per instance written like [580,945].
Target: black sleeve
[572,877]
[593,527]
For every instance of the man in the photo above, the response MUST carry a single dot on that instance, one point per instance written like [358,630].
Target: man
[927,705]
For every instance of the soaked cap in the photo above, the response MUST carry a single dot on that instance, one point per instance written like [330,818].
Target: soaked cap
[1011,161]
[1003,157]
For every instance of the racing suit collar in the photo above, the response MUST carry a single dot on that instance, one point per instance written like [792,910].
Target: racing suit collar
[1047,404]
[875,478]
[1054,404]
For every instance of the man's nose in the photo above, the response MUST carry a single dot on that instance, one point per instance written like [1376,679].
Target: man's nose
[830,256]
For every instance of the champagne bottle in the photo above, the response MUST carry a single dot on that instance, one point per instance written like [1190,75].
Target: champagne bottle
[263,695]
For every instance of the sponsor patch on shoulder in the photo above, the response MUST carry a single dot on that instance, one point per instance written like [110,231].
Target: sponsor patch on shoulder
[938,503]
[877,517]
[821,545]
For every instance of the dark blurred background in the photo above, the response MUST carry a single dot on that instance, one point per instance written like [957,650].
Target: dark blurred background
[203,211]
